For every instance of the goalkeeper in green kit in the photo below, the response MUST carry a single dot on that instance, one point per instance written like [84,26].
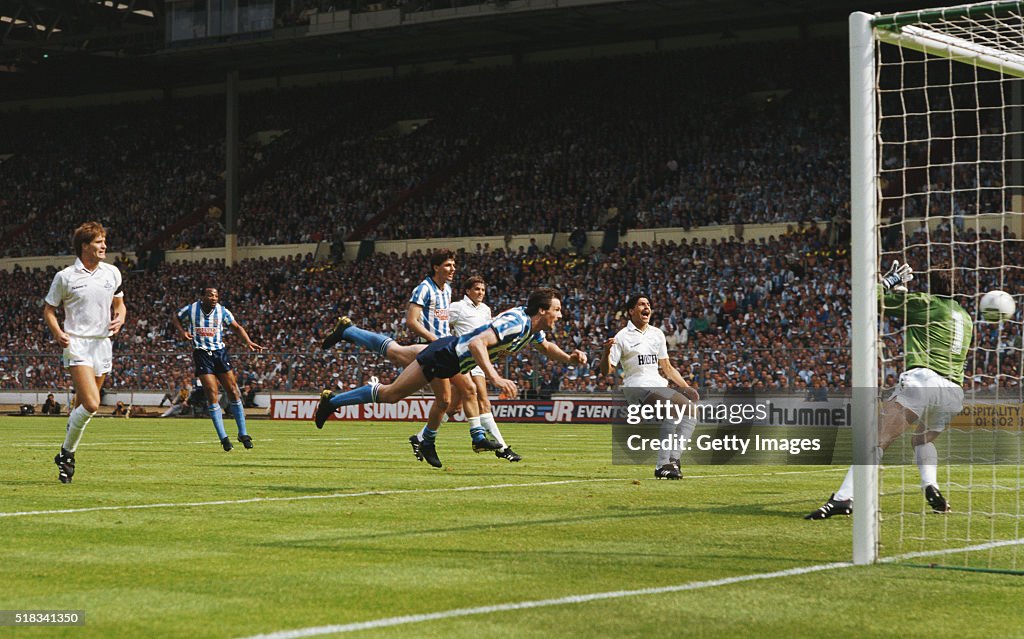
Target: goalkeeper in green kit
[937,338]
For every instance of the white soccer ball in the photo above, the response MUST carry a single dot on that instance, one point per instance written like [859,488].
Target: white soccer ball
[997,306]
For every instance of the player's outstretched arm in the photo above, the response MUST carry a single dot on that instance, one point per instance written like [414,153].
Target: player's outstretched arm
[554,352]
[478,348]
[896,278]
[253,346]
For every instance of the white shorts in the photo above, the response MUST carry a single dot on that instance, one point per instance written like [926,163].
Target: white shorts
[94,352]
[476,371]
[932,397]
[647,394]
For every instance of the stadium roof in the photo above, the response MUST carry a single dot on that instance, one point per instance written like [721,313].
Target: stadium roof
[66,47]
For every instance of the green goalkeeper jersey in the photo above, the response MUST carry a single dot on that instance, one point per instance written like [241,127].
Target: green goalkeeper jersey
[937,331]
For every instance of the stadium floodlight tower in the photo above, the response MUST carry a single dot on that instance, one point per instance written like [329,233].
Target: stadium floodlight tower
[936,136]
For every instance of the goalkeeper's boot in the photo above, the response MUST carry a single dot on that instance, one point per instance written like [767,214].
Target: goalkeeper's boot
[245,440]
[936,500]
[226,443]
[832,507]
[483,444]
[508,453]
[668,471]
[324,408]
[337,333]
[66,466]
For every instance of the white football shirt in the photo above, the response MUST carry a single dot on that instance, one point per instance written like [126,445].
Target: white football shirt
[464,316]
[86,296]
[638,352]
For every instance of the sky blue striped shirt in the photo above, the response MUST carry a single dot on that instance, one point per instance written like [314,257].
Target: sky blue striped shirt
[514,331]
[435,302]
[207,329]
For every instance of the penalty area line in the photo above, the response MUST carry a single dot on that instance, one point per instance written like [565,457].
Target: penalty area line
[387,622]
[365,493]
[254,500]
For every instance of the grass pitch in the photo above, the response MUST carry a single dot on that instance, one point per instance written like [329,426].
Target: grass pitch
[162,534]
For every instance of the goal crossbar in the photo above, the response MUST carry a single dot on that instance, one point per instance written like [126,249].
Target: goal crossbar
[904,30]
[947,13]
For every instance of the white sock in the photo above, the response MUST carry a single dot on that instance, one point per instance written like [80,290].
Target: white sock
[667,429]
[444,418]
[474,423]
[77,421]
[487,421]
[845,491]
[685,431]
[927,459]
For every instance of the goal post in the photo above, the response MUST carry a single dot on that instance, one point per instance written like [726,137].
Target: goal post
[864,273]
[936,138]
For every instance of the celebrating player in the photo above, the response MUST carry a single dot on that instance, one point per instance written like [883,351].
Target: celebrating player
[938,334]
[207,320]
[643,352]
[507,334]
[91,292]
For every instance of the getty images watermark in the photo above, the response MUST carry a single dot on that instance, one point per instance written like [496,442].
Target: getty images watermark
[667,412]
[742,427]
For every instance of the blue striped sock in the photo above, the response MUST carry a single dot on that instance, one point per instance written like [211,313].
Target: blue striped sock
[361,395]
[238,412]
[428,435]
[368,339]
[218,421]
[476,431]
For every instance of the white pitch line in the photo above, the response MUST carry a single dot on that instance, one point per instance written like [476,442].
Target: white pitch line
[540,603]
[952,551]
[253,500]
[386,622]
[370,493]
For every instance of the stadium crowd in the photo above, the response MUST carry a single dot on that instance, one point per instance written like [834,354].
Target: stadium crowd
[572,145]
[532,149]
[770,314]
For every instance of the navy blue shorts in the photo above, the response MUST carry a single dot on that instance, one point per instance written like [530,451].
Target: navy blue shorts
[211,362]
[438,360]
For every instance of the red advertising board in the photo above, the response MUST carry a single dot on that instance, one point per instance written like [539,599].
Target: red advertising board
[415,409]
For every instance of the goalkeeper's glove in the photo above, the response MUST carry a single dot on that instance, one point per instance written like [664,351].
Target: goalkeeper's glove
[897,276]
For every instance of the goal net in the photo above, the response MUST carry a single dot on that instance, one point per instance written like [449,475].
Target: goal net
[937,130]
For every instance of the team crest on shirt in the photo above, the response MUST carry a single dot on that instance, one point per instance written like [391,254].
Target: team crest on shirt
[442,314]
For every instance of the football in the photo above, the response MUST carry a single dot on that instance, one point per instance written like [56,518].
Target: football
[997,306]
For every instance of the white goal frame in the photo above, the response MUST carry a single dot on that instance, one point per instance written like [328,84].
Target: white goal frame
[865,31]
